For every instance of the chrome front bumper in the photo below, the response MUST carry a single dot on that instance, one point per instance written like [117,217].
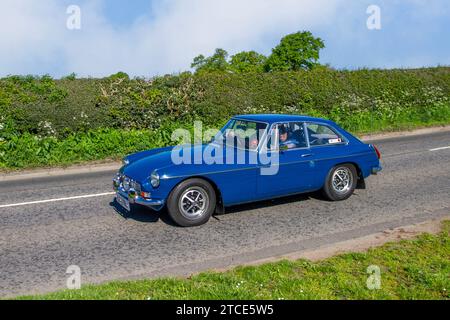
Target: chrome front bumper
[134,197]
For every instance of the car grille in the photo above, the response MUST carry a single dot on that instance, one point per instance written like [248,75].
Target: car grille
[128,184]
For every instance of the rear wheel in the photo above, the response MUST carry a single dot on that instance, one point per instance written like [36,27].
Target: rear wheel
[340,182]
[191,203]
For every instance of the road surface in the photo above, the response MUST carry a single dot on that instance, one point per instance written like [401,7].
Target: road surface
[41,235]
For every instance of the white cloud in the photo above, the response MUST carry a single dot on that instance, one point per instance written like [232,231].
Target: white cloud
[34,38]
[29,34]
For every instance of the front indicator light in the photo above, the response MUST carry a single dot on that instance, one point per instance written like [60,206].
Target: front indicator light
[146,195]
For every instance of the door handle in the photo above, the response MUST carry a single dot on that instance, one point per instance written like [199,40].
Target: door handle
[306,155]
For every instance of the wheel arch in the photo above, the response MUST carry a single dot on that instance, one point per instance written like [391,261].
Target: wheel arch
[361,183]
[219,202]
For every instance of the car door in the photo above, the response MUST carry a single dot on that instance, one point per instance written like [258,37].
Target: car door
[327,147]
[236,173]
[291,168]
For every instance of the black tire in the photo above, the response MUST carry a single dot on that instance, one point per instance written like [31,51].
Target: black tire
[331,192]
[179,199]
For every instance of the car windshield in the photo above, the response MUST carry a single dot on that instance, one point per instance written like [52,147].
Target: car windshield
[242,134]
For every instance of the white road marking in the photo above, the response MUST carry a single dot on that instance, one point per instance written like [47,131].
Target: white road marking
[56,200]
[442,148]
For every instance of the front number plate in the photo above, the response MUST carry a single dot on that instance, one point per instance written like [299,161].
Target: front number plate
[123,202]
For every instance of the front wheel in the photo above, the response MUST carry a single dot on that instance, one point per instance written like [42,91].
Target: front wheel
[191,203]
[340,182]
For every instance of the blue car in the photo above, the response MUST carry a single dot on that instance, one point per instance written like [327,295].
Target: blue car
[252,158]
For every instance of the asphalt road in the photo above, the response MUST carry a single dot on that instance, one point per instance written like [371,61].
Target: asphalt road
[38,241]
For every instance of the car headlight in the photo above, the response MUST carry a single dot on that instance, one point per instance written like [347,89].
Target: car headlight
[125,161]
[154,179]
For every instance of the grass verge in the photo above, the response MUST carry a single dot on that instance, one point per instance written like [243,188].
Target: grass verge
[410,269]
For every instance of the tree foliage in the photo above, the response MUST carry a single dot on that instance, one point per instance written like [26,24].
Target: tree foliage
[217,62]
[295,52]
[247,61]
[119,75]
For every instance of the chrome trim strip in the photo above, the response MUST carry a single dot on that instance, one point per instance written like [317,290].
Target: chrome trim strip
[212,172]
[325,159]
[305,130]
[261,166]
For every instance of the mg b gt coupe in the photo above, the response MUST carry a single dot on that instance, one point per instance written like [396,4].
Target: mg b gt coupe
[252,158]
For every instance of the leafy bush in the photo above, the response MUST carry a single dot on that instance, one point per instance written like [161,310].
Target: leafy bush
[45,121]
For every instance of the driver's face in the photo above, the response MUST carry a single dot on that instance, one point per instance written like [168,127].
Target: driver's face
[253,144]
[283,137]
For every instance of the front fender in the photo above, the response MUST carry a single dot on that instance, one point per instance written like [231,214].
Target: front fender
[140,155]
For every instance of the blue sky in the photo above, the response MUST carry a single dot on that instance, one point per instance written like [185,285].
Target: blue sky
[149,37]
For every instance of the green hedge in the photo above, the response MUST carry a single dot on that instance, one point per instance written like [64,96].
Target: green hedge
[45,121]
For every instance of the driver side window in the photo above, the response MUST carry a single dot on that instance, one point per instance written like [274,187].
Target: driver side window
[289,135]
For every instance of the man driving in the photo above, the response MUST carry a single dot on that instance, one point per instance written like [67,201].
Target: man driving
[286,139]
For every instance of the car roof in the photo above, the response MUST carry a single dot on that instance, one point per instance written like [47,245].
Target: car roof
[271,118]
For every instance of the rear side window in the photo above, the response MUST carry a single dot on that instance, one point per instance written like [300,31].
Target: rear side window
[320,135]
